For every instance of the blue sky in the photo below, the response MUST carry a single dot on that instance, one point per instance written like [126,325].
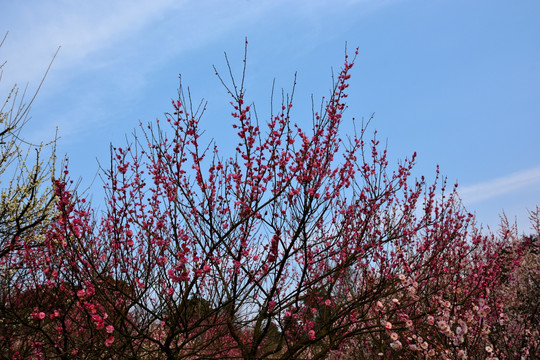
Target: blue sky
[456,81]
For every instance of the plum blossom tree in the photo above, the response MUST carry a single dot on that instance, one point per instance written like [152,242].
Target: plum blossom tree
[301,244]
[516,332]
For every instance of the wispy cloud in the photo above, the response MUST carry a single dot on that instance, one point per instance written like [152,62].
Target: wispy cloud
[110,49]
[80,28]
[500,186]
[37,28]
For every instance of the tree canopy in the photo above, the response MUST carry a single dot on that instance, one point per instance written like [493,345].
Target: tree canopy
[303,244]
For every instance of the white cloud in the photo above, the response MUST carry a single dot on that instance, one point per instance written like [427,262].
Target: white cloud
[500,186]
[118,44]
[80,28]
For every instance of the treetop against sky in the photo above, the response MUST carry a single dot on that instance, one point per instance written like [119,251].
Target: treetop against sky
[455,81]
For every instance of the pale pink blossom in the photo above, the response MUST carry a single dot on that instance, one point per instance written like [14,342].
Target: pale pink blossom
[409,323]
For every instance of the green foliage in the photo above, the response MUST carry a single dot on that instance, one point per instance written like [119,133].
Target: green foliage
[26,195]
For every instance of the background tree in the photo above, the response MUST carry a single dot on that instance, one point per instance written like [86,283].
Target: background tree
[26,196]
[516,333]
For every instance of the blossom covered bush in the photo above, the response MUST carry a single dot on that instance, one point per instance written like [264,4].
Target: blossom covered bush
[302,244]
[516,334]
